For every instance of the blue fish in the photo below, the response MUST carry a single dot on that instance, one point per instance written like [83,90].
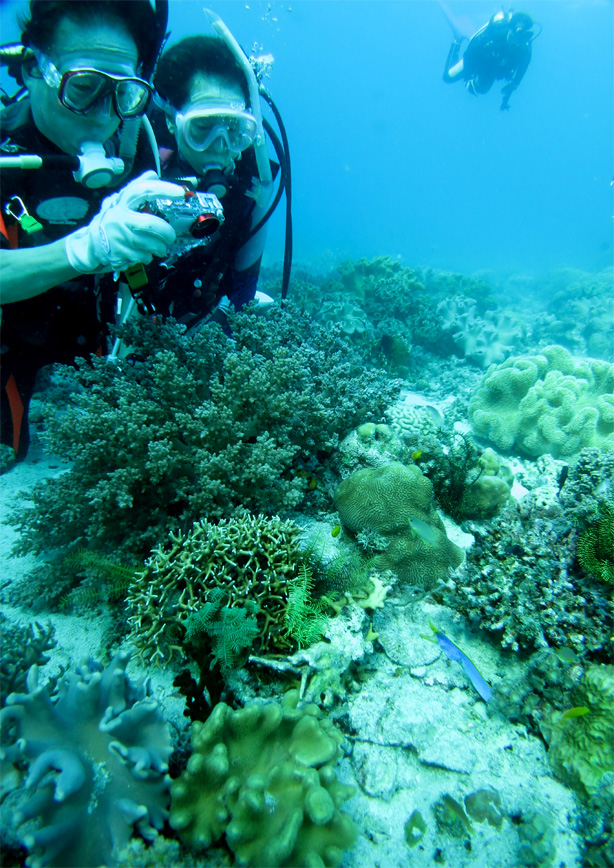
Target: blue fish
[454,653]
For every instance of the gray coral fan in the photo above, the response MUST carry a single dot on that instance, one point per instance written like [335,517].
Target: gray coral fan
[97,751]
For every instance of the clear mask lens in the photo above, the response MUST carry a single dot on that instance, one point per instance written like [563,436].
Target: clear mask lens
[235,131]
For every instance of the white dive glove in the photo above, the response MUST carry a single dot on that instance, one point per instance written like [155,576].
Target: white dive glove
[120,235]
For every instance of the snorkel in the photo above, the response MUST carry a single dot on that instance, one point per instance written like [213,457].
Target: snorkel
[262,157]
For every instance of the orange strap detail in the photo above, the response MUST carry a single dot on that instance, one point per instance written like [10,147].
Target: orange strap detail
[10,232]
[17,410]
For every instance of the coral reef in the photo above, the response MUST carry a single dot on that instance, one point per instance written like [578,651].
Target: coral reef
[596,545]
[579,313]
[21,648]
[382,500]
[264,778]
[197,426]
[517,582]
[590,481]
[581,748]
[250,559]
[97,752]
[546,403]
[483,340]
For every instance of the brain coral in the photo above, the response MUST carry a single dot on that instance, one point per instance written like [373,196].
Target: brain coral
[249,558]
[97,749]
[551,402]
[264,776]
[382,500]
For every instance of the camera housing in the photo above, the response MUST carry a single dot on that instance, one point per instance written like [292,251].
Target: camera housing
[195,220]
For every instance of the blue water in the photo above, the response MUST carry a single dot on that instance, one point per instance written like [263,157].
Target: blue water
[387,159]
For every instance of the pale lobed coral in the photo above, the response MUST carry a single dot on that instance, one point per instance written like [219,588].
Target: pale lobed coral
[551,402]
[264,777]
[483,339]
[96,749]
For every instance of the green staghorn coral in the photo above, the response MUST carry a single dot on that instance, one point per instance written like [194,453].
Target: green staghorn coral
[251,560]
[264,778]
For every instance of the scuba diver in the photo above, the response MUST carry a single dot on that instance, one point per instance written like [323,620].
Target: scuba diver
[212,134]
[499,51]
[69,138]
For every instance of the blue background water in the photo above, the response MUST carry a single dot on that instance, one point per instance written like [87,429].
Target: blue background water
[387,159]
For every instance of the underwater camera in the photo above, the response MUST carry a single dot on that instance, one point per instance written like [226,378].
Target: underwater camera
[195,220]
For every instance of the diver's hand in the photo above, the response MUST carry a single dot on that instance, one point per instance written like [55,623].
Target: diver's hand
[120,235]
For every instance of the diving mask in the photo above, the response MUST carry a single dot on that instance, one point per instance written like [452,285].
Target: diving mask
[203,124]
[79,90]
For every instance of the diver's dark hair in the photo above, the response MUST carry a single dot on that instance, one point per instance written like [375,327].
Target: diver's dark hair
[196,55]
[39,28]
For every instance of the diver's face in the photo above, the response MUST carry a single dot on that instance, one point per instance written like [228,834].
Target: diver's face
[217,154]
[104,47]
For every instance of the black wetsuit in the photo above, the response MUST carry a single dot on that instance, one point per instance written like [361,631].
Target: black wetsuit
[490,57]
[68,320]
[191,288]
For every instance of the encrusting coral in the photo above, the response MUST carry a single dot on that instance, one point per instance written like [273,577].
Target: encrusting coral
[250,559]
[264,777]
[581,747]
[518,582]
[596,545]
[197,425]
[396,502]
[97,751]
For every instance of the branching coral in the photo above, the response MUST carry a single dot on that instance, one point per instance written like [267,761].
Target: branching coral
[197,425]
[97,751]
[264,778]
[250,559]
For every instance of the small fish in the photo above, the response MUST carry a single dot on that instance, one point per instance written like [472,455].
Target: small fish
[454,653]
[336,530]
[313,483]
[578,711]
[426,532]
[562,477]
[415,455]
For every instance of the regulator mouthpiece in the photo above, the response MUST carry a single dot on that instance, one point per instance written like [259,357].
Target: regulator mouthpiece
[95,168]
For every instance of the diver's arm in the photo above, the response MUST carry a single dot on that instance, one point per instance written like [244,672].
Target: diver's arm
[454,67]
[31,271]
[510,87]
